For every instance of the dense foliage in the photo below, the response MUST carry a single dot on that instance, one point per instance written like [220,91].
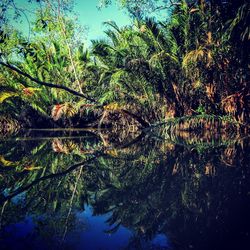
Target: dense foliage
[193,189]
[195,62]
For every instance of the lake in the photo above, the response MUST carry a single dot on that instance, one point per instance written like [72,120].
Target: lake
[78,189]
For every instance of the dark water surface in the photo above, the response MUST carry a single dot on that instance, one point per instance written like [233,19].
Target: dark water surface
[86,190]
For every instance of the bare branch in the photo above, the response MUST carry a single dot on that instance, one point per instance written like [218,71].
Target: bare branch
[47,84]
[48,177]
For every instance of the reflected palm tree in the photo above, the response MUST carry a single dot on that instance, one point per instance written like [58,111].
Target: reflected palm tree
[183,187]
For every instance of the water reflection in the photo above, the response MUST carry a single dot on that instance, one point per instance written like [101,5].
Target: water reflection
[84,190]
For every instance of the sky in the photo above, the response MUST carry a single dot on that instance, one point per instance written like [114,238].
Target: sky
[88,14]
[92,17]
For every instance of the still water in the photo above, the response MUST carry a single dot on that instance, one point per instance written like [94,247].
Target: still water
[91,190]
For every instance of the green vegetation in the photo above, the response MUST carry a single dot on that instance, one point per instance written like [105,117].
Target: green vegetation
[193,63]
[172,186]
[188,179]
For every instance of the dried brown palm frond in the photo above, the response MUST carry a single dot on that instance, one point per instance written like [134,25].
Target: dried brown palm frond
[193,56]
[65,147]
[238,105]
[171,111]
[210,91]
[229,155]
[209,169]
[63,110]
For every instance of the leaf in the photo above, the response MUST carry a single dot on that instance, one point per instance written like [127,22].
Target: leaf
[69,110]
[30,91]
[193,56]
[66,109]
[157,57]
[5,95]
[5,162]
[193,10]
[143,28]
[60,146]
[31,168]
[57,112]
[112,106]
[209,37]
[112,152]
[57,146]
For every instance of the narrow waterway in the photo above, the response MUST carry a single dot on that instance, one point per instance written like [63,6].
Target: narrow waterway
[86,190]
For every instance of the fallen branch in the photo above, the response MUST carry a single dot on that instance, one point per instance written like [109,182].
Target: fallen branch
[47,177]
[52,85]
[47,84]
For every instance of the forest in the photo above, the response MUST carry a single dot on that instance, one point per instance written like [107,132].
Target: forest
[137,138]
[190,69]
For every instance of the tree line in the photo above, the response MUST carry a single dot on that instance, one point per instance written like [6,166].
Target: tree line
[194,62]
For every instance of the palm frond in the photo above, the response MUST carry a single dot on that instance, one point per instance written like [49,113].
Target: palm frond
[5,95]
[113,25]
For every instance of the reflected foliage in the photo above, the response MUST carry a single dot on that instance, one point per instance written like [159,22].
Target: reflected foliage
[193,189]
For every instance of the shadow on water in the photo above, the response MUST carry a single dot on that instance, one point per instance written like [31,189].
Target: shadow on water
[155,190]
